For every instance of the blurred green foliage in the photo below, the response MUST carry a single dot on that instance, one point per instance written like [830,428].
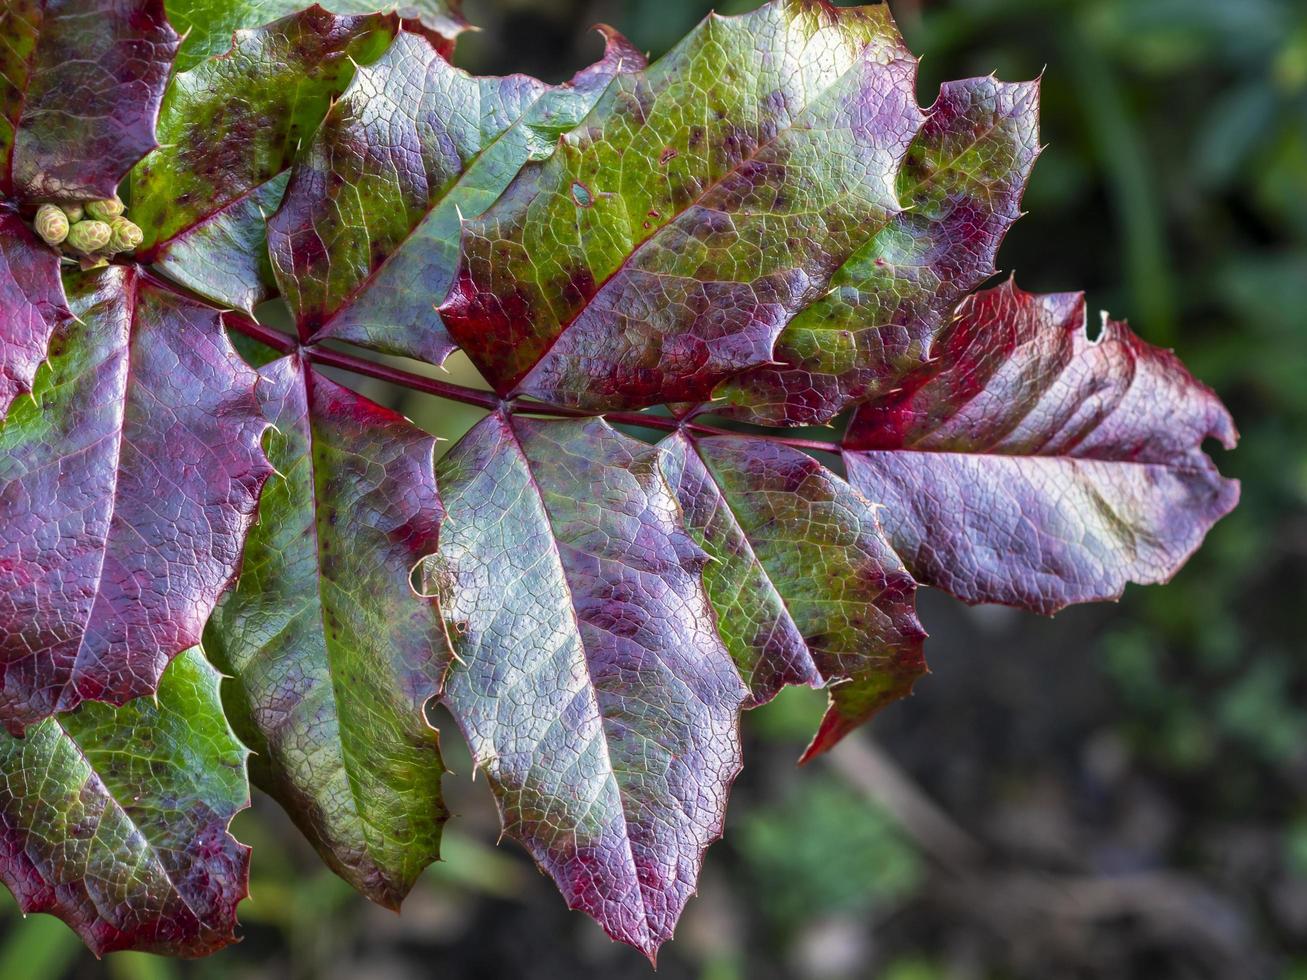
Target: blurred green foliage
[823,849]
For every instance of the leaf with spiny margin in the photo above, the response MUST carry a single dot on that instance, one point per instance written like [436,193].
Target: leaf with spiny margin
[210,24]
[699,207]
[365,245]
[32,306]
[330,654]
[127,483]
[1032,466]
[805,586]
[590,682]
[115,819]
[80,86]
[961,187]
[229,129]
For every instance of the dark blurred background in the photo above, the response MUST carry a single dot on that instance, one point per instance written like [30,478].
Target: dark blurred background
[1115,793]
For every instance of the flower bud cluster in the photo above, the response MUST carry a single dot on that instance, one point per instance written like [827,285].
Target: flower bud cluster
[90,229]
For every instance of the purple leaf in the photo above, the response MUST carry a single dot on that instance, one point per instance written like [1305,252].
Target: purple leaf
[115,819]
[80,86]
[365,244]
[127,483]
[230,128]
[590,684]
[32,306]
[961,186]
[1035,467]
[805,586]
[331,655]
[703,202]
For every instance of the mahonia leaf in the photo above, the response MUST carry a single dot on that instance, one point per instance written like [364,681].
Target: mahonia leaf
[590,682]
[127,483]
[32,306]
[115,819]
[229,129]
[208,25]
[331,655]
[367,239]
[805,586]
[960,188]
[1033,466]
[80,86]
[700,205]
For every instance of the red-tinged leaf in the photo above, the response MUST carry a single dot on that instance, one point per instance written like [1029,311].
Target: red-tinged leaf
[80,85]
[331,655]
[32,306]
[229,129]
[1035,467]
[591,685]
[208,25]
[115,819]
[805,586]
[365,244]
[961,187]
[693,213]
[127,483]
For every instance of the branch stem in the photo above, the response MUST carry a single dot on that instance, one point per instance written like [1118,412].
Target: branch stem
[286,344]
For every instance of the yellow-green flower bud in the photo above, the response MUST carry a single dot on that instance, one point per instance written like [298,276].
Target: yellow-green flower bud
[126,235]
[105,210]
[89,236]
[51,223]
[75,212]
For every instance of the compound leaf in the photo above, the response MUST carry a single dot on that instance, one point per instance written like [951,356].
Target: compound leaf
[80,86]
[115,819]
[365,244]
[590,682]
[229,129]
[1035,467]
[331,655]
[805,586]
[127,483]
[700,205]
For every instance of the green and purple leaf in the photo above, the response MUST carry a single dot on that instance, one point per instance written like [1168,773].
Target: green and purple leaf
[1035,467]
[208,25]
[127,483]
[590,683]
[32,306]
[805,586]
[115,819]
[331,655]
[229,129]
[365,245]
[80,86]
[960,188]
[701,204]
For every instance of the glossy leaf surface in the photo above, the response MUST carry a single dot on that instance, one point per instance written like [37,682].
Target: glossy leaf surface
[80,85]
[365,245]
[32,306]
[960,188]
[805,586]
[127,483]
[115,819]
[209,24]
[1038,468]
[591,684]
[331,655]
[700,205]
[229,128]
